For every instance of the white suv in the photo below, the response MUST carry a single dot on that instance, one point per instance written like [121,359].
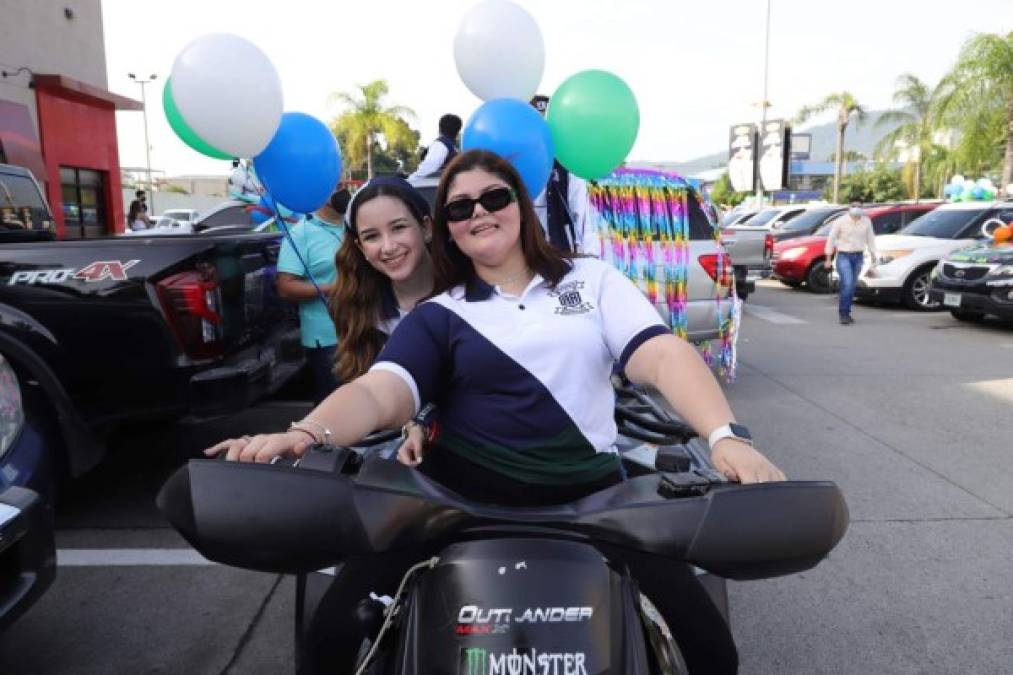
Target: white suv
[907,258]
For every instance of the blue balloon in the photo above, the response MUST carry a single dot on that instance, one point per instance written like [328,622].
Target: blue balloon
[977,192]
[516,132]
[301,165]
[956,189]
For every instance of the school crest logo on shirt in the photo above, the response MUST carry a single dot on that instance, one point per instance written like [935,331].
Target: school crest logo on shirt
[570,299]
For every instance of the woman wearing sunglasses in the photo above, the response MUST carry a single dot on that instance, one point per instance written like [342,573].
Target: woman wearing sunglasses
[516,351]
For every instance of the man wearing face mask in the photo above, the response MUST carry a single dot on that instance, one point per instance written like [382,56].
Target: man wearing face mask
[850,235]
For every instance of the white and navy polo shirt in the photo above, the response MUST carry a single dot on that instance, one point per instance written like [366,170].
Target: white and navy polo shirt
[522,383]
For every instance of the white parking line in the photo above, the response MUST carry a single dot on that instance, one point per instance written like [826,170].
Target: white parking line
[129,557]
[770,314]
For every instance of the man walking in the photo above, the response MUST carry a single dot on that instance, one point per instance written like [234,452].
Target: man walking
[850,235]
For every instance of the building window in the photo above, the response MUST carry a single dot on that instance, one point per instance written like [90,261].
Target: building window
[84,207]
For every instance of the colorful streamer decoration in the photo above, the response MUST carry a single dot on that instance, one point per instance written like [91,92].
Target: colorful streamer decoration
[644,233]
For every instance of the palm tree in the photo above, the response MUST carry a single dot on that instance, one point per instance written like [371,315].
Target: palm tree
[979,96]
[914,124]
[366,116]
[940,163]
[846,105]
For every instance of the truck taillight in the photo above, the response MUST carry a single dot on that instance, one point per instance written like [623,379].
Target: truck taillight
[719,267]
[192,302]
[768,246]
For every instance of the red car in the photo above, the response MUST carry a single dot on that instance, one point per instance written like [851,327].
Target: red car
[800,260]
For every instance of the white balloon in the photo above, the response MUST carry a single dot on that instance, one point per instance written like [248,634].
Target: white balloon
[228,92]
[499,51]
[957,180]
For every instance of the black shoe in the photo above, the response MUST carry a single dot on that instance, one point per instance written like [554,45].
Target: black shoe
[846,319]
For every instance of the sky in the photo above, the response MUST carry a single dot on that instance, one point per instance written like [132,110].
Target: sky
[696,68]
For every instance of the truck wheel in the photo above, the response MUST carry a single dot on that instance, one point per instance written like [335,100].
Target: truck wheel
[964,315]
[818,277]
[916,291]
[741,285]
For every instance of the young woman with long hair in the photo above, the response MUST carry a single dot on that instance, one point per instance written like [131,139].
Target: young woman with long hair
[517,351]
[384,270]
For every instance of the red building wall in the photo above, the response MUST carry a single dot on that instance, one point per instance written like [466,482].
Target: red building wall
[79,132]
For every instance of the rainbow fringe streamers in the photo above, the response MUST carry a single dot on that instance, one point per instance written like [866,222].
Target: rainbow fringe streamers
[644,233]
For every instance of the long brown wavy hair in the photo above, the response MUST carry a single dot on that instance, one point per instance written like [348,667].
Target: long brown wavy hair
[451,266]
[356,305]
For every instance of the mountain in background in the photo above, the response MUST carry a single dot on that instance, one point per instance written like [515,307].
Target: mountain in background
[857,138]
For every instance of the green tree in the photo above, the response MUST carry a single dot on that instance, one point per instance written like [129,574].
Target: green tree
[978,100]
[940,165]
[914,124]
[366,119]
[882,184]
[846,106]
[723,194]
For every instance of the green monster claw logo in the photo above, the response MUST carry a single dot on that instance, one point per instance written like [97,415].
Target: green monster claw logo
[473,661]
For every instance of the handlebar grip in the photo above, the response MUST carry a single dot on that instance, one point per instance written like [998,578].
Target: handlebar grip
[673,428]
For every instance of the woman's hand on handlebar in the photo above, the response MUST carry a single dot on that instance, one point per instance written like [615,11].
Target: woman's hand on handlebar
[262,448]
[744,463]
[414,446]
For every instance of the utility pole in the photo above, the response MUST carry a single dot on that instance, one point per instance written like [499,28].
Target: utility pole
[147,144]
[764,104]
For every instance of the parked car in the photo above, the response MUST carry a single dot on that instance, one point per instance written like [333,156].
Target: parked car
[709,277]
[189,216]
[737,216]
[27,549]
[772,217]
[800,260]
[750,244]
[162,225]
[907,258]
[978,280]
[807,223]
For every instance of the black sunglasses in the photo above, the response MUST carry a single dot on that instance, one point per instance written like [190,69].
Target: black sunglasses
[493,200]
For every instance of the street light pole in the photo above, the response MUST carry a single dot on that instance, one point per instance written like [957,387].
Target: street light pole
[764,104]
[147,145]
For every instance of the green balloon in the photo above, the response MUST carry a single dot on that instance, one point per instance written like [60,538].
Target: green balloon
[183,130]
[594,119]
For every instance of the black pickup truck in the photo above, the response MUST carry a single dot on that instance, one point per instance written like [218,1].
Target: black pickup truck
[127,329]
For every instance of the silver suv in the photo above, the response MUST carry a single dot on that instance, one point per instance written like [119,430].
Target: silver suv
[708,302]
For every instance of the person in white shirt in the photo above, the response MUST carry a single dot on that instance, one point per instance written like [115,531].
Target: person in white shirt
[242,184]
[440,151]
[570,223]
[850,235]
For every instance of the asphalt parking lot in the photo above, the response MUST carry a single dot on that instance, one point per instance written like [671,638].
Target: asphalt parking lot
[909,413]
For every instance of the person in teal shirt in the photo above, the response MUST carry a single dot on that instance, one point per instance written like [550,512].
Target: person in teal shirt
[317,239]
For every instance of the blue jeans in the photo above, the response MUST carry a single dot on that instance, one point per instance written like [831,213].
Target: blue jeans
[848,267]
[321,363]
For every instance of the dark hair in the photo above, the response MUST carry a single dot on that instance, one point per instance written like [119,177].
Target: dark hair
[357,302]
[450,125]
[339,200]
[452,267]
[139,193]
[539,102]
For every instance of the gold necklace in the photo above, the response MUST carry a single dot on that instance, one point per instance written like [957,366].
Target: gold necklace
[510,280]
